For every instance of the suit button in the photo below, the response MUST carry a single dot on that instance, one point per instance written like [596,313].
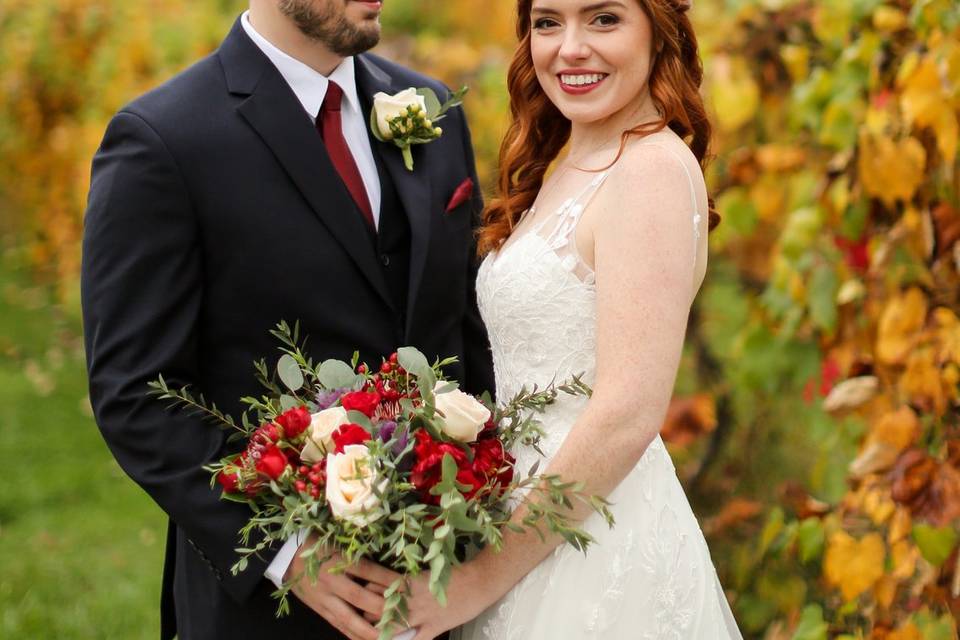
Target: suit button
[384,259]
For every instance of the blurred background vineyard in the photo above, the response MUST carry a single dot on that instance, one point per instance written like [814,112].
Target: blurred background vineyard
[816,420]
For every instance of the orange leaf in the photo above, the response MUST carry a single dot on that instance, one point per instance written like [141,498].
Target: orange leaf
[688,418]
[853,566]
[733,512]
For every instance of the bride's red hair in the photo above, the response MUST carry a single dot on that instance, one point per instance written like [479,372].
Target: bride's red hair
[539,131]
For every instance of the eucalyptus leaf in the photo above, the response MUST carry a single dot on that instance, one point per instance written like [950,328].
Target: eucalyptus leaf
[411,359]
[289,372]
[335,374]
[288,402]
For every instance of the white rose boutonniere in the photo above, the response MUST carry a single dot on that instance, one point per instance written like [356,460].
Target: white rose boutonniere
[408,118]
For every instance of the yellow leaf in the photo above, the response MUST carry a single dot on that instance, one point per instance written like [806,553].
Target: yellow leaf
[908,631]
[888,19]
[769,197]
[900,324]
[876,456]
[898,429]
[900,526]
[797,60]
[904,556]
[735,93]
[947,332]
[921,382]
[890,170]
[925,103]
[853,566]
[885,591]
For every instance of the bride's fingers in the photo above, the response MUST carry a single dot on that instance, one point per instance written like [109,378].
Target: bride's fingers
[379,589]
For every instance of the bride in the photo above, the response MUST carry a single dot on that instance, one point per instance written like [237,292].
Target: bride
[594,270]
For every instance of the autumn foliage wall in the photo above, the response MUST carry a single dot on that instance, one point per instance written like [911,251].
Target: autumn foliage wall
[816,423]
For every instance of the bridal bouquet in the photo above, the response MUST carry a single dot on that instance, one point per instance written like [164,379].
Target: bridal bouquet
[394,464]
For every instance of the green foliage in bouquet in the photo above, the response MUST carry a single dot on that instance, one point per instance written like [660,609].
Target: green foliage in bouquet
[396,466]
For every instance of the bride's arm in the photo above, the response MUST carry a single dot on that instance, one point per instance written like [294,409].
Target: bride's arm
[644,248]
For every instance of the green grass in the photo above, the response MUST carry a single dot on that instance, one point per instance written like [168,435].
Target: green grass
[81,545]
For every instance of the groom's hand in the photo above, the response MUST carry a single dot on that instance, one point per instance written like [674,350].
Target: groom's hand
[337,597]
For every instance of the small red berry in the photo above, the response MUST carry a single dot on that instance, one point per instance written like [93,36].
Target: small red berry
[362,368]
[385,367]
[317,467]
[314,478]
[304,469]
[393,358]
[315,492]
[300,485]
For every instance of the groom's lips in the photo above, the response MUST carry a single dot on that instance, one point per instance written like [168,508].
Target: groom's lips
[373,6]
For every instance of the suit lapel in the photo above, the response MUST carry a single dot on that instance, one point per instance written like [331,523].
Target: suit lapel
[413,187]
[273,110]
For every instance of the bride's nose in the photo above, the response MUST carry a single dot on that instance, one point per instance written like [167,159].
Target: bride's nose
[574,47]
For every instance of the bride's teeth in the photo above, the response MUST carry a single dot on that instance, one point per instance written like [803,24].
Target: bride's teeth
[580,80]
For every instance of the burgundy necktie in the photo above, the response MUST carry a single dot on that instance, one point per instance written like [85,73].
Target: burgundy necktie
[331,130]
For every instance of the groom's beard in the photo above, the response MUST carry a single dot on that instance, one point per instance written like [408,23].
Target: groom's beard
[326,22]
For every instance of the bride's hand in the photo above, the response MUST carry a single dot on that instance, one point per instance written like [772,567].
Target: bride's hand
[467,597]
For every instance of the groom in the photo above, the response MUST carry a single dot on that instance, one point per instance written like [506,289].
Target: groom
[247,190]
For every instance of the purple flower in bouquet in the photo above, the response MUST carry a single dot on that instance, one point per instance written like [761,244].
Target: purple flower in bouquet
[326,399]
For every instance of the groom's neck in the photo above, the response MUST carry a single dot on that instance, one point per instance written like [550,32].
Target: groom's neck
[284,35]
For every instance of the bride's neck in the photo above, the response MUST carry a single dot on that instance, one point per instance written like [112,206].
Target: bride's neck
[588,138]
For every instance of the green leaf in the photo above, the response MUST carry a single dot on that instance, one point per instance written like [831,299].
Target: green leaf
[935,544]
[374,127]
[771,529]
[288,402]
[411,359]
[336,374]
[289,372]
[432,103]
[810,538]
[822,297]
[812,625]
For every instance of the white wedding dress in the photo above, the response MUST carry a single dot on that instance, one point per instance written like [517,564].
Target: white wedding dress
[651,576]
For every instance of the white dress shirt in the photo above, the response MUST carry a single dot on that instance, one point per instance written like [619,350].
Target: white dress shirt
[310,88]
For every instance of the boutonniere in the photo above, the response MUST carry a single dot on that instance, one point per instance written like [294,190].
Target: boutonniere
[409,117]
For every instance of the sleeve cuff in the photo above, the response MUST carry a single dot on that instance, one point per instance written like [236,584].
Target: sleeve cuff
[281,562]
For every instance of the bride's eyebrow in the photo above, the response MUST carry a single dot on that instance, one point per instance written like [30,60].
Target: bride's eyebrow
[597,6]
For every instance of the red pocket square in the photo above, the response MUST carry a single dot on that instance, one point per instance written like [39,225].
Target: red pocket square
[460,195]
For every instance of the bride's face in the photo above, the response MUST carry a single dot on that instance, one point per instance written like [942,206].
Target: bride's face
[592,57]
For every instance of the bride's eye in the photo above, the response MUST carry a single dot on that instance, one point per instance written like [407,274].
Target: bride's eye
[606,20]
[545,23]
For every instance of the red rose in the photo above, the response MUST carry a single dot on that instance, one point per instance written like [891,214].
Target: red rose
[272,462]
[365,402]
[490,461]
[471,479]
[228,480]
[428,469]
[294,422]
[348,434]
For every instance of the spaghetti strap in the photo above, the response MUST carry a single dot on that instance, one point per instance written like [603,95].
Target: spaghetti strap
[697,218]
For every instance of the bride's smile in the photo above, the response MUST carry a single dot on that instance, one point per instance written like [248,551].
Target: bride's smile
[592,58]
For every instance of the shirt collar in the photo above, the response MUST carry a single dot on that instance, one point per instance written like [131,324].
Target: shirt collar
[309,86]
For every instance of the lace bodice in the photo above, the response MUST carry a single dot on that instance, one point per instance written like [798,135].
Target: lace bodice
[537,295]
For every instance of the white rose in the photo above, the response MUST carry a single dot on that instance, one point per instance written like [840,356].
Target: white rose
[464,415]
[388,107]
[322,426]
[350,480]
